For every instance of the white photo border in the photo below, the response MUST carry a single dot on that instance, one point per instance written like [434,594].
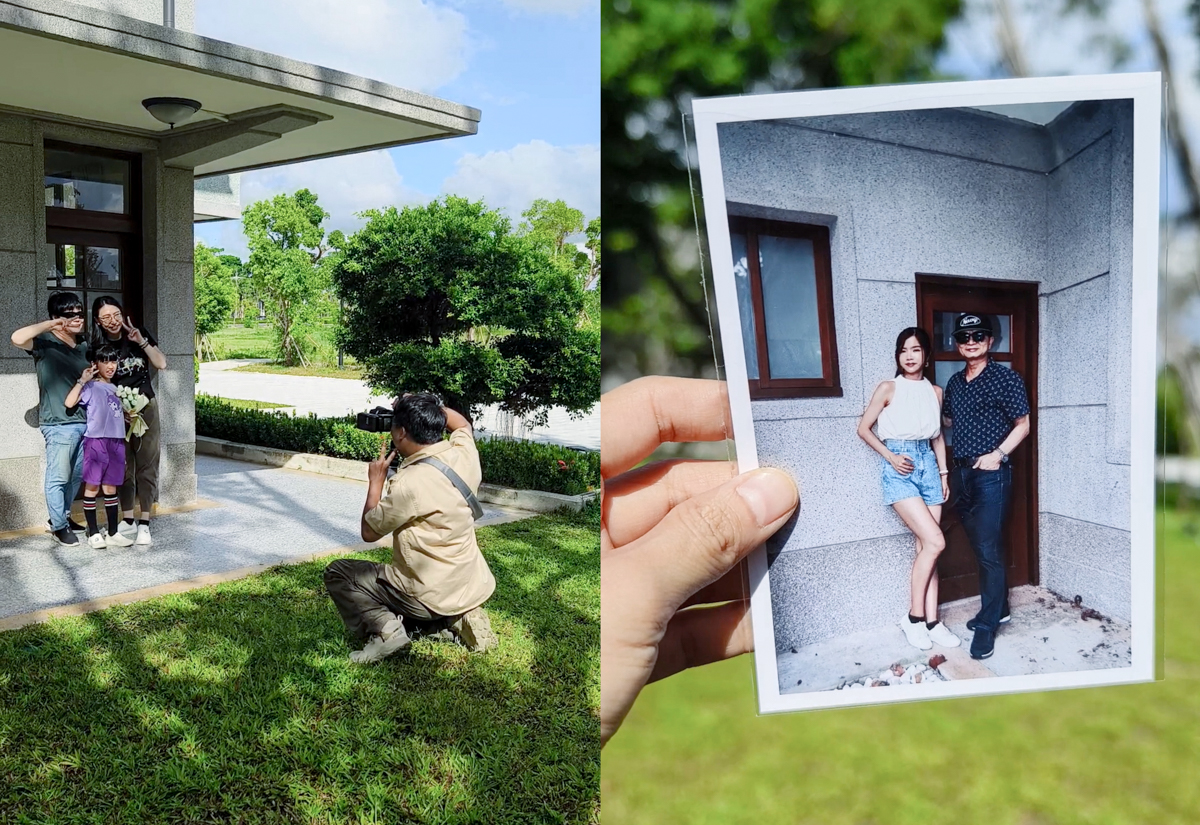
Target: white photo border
[1146,91]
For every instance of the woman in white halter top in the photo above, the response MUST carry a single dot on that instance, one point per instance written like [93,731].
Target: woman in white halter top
[908,411]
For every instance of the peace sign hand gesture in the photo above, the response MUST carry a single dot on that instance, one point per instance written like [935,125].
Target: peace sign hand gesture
[133,332]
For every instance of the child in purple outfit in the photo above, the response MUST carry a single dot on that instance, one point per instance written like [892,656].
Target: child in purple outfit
[103,444]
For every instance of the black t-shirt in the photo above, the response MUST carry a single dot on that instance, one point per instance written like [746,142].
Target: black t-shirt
[133,367]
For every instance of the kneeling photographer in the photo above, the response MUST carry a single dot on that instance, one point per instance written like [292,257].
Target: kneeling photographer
[438,579]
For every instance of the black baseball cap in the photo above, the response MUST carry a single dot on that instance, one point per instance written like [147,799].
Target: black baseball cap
[969,322]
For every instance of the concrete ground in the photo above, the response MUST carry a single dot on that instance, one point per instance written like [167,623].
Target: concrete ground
[1046,635]
[251,517]
[329,397]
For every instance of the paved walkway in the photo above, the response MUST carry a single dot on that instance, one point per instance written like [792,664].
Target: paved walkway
[1046,635]
[264,516]
[339,396]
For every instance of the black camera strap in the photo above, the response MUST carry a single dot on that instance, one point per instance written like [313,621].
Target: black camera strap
[456,480]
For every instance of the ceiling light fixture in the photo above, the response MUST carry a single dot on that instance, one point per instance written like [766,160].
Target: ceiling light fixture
[171,110]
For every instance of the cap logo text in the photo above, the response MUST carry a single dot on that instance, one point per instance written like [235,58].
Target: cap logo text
[969,319]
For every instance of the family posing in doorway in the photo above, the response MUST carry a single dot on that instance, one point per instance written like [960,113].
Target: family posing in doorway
[90,438]
[987,406]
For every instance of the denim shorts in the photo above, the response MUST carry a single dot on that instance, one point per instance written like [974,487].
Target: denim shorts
[925,480]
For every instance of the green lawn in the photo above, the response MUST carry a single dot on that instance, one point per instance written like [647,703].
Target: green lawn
[247,404]
[236,341]
[693,751]
[352,370]
[237,703]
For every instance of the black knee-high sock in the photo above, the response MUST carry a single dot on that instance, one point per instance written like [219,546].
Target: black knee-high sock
[89,514]
[112,507]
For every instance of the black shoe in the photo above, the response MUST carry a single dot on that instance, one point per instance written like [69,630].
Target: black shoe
[984,643]
[72,525]
[65,536]
[973,624]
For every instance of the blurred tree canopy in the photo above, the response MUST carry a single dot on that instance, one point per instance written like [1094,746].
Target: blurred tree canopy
[657,56]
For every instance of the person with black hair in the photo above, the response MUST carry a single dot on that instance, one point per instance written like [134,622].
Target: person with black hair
[906,410]
[103,444]
[59,356]
[438,580]
[137,352]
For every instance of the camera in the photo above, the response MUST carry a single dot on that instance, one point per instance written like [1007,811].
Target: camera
[378,420]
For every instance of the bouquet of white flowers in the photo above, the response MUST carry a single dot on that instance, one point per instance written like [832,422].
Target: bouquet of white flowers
[133,402]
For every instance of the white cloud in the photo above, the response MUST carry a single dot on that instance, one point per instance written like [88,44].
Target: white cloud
[415,44]
[514,178]
[344,185]
[551,6]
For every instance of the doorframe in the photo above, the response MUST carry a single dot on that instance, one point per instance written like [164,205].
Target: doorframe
[1030,291]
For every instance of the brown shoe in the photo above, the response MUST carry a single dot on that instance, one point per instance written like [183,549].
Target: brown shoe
[475,630]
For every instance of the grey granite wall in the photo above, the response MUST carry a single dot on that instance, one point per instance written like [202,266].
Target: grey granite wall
[149,10]
[22,453]
[953,192]
[1086,359]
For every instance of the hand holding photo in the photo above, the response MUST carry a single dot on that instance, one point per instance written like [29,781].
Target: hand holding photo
[937,307]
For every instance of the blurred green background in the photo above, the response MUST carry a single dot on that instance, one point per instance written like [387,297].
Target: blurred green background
[693,750]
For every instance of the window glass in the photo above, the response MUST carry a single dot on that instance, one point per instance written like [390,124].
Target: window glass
[77,180]
[101,267]
[741,279]
[943,332]
[942,370]
[789,284]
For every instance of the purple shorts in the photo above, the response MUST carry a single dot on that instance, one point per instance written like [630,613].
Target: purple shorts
[104,461]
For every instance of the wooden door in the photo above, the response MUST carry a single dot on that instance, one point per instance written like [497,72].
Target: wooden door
[1013,309]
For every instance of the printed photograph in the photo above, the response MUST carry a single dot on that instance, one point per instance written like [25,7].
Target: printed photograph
[936,316]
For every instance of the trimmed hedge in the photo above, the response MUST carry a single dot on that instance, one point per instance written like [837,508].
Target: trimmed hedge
[525,465]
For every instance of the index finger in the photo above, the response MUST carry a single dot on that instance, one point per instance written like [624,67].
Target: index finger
[639,416]
[383,445]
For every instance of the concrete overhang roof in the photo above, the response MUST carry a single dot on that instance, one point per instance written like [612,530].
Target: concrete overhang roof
[71,63]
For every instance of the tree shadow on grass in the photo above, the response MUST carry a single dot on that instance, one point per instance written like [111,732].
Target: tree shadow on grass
[238,704]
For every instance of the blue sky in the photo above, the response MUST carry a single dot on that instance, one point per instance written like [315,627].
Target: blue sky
[531,66]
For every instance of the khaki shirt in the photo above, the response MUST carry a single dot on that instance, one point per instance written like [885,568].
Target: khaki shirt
[435,558]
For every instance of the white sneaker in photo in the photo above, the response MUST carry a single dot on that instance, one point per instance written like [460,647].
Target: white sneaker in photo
[126,528]
[96,541]
[143,534]
[916,633]
[941,635]
[119,540]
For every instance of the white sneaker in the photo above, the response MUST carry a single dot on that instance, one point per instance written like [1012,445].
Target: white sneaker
[474,628]
[941,635]
[392,640]
[916,633]
[119,540]
[127,529]
[96,541]
[143,534]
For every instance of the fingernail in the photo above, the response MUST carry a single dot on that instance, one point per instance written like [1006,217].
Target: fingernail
[770,495]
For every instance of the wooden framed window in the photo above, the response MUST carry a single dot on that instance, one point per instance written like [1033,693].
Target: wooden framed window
[93,224]
[785,298]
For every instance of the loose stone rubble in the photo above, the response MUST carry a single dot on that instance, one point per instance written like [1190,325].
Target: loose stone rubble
[898,674]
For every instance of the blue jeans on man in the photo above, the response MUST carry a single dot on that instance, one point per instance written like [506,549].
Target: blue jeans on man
[983,504]
[64,469]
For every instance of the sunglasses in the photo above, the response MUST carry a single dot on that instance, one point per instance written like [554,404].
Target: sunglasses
[71,313]
[978,336]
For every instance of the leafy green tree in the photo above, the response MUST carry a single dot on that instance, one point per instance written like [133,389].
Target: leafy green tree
[289,268]
[446,297]
[215,296]
[657,56]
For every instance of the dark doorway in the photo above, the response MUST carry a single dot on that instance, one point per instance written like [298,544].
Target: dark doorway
[1013,309]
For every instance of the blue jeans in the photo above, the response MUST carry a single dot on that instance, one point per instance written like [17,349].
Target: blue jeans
[64,469]
[983,503]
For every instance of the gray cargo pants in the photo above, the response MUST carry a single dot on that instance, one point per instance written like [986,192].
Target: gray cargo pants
[367,601]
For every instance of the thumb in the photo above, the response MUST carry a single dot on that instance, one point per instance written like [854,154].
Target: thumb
[702,539]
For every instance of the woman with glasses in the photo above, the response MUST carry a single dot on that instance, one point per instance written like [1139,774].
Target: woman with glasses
[907,409]
[59,356]
[138,351]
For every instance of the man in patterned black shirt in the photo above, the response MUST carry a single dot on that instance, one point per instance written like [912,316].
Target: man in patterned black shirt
[987,405]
